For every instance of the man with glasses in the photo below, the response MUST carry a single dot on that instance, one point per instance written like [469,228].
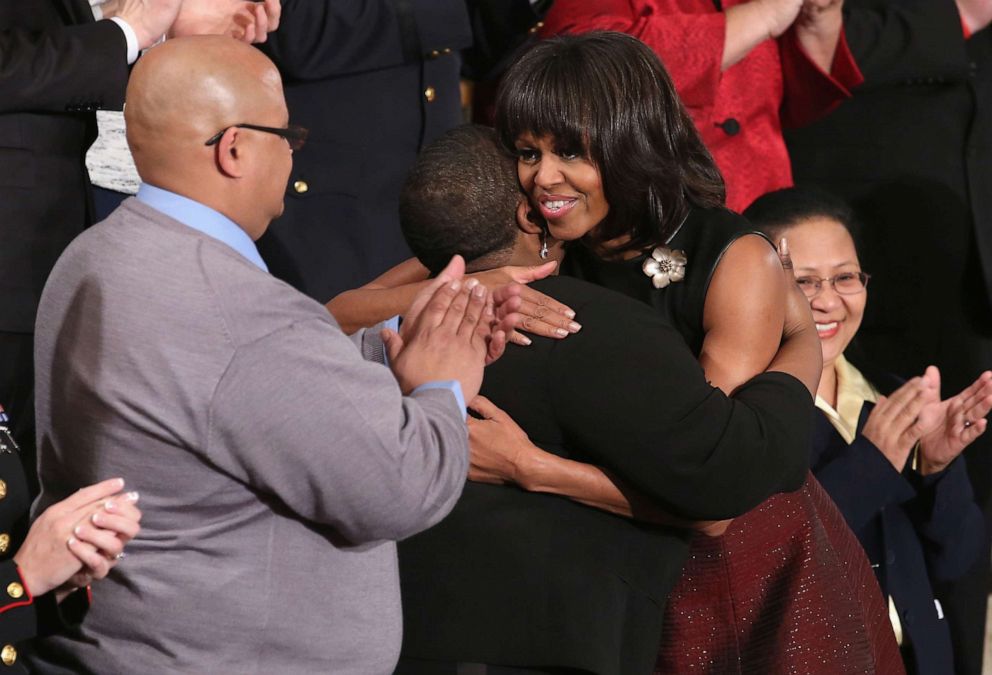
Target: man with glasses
[276,466]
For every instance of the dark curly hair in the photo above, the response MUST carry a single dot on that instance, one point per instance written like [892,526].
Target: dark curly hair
[608,94]
[461,197]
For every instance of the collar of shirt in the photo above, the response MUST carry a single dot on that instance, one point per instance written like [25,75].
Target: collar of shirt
[203,218]
[853,391]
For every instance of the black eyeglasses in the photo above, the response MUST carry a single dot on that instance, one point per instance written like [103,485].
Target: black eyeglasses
[845,283]
[294,135]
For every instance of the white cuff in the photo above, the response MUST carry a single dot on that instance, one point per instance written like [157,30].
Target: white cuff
[130,36]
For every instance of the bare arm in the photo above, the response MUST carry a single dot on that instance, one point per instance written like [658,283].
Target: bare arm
[751,23]
[818,30]
[391,293]
[501,453]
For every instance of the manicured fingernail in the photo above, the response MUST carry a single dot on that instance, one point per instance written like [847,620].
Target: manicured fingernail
[471,283]
[109,505]
[120,483]
[455,285]
[570,314]
[78,530]
[489,311]
[70,541]
[561,332]
[574,327]
[526,340]
[479,291]
[132,496]
[95,518]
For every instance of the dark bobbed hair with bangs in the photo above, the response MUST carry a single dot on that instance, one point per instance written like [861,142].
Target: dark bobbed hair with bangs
[608,95]
[775,213]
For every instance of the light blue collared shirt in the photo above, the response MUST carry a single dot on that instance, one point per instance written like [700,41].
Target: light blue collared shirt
[215,224]
[203,218]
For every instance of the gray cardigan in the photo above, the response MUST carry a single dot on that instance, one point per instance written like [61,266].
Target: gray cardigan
[275,465]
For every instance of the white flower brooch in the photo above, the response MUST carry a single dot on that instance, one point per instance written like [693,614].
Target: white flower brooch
[665,266]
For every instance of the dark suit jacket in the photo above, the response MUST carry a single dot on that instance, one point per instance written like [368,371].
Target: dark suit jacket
[374,82]
[915,530]
[528,579]
[58,66]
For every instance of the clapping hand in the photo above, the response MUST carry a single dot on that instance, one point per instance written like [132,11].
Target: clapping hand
[79,538]
[450,332]
[899,421]
[961,421]
[241,19]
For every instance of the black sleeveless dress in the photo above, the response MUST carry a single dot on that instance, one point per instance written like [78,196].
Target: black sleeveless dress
[788,588]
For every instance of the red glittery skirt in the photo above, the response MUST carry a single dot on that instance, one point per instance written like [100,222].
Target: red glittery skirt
[787,589]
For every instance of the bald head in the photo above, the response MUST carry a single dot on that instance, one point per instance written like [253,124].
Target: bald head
[185,91]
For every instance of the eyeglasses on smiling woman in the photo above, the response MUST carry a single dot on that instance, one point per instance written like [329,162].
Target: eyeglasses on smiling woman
[845,283]
[294,135]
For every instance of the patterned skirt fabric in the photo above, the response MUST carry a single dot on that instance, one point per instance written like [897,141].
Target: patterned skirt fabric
[787,589]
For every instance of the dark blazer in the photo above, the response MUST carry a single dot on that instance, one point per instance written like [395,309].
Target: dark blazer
[529,579]
[374,82]
[22,616]
[915,529]
[58,67]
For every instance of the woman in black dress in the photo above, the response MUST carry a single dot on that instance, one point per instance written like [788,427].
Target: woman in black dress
[612,163]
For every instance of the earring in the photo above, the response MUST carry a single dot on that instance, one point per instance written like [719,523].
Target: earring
[544,245]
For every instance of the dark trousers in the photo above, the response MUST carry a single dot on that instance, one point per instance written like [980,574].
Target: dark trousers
[17,397]
[425,667]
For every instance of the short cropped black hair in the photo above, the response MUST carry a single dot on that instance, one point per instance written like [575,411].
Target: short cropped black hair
[461,197]
[775,212]
[608,96]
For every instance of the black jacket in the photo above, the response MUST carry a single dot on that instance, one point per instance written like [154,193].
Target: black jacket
[58,67]
[529,579]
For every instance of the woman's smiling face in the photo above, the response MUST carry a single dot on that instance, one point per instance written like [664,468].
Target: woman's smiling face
[563,184]
[823,248]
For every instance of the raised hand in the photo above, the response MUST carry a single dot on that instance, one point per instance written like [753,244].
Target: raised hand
[778,15]
[898,421]
[241,19]
[961,421]
[445,335]
[79,538]
[150,19]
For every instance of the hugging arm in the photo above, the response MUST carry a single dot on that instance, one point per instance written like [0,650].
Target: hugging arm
[743,334]
[391,293]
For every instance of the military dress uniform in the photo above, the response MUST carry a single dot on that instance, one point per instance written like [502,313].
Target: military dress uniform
[22,615]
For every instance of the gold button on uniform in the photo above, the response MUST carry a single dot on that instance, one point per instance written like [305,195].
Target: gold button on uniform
[4,542]
[300,187]
[435,53]
[537,26]
[3,488]
[446,50]
[430,94]
[15,590]
[8,655]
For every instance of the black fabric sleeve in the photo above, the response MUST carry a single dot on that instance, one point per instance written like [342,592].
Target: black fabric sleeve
[320,39]
[65,68]
[906,41]
[632,398]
